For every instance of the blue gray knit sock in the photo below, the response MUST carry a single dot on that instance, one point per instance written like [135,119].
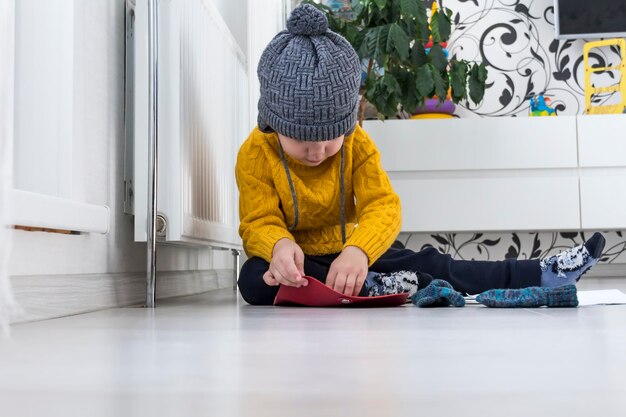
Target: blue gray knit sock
[438,293]
[530,297]
[568,266]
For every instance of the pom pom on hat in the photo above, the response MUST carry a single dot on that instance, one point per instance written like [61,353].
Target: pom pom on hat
[307,20]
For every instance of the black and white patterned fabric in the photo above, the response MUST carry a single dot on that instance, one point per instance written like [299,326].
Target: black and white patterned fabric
[397,282]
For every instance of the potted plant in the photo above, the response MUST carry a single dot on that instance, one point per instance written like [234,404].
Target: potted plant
[403,52]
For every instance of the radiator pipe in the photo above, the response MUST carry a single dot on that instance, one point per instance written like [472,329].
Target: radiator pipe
[236,253]
[153,146]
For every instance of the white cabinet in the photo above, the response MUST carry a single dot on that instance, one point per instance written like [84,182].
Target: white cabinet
[602,150]
[507,174]
[487,204]
[475,144]
[603,201]
[602,141]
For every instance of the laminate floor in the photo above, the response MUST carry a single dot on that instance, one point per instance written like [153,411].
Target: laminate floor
[213,355]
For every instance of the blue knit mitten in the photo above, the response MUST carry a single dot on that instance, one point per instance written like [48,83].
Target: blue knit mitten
[564,296]
[438,293]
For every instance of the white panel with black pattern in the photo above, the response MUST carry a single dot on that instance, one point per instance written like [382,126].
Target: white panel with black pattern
[498,246]
[516,41]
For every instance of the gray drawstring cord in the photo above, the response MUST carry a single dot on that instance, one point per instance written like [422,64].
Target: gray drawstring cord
[343,199]
[291,187]
[295,199]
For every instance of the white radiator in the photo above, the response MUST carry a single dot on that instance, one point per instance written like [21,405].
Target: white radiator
[202,120]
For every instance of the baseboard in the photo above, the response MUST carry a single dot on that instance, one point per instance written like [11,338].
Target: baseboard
[46,297]
[604,270]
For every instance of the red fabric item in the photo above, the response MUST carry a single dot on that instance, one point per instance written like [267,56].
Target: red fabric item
[317,294]
[430,44]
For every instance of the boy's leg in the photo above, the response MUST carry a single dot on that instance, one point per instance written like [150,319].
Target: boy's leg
[470,277]
[251,285]
[474,277]
[256,292]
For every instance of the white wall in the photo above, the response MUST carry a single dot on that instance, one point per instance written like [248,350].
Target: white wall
[44,97]
[235,13]
[516,40]
[7,44]
[95,91]
[265,20]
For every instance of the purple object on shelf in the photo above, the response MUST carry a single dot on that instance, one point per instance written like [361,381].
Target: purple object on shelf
[431,105]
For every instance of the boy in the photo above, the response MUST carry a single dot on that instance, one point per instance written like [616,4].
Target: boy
[314,199]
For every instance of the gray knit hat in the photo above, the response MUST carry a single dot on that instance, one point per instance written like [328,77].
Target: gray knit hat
[310,78]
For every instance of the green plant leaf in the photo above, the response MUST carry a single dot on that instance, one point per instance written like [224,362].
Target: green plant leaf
[391,84]
[434,27]
[370,81]
[398,40]
[424,81]
[410,27]
[408,97]
[441,84]
[366,45]
[482,72]
[384,95]
[364,49]
[409,7]
[437,57]
[389,106]
[409,101]
[418,54]
[374,44]
[373,92]
[336,25]
[381,45]
[370,91]
[392,34]
[458,78]
[444,24]
[357,41]
[351,33]
[477,78]
[380,3]
[422,22]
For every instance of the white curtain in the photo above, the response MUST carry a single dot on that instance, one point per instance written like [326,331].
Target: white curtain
[7,20]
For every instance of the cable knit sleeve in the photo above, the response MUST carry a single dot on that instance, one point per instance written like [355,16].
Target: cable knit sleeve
[262,222]
[377,205]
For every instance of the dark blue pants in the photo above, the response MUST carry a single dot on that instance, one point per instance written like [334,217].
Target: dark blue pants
[471,277]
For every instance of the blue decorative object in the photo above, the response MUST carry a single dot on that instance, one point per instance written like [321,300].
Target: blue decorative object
[445,51]
[539,106]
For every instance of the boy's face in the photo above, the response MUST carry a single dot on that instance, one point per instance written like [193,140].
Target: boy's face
[310,153]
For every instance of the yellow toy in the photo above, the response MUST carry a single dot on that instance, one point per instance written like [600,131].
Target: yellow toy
[620,88]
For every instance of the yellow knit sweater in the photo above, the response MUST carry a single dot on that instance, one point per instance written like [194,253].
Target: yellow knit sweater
[266,206]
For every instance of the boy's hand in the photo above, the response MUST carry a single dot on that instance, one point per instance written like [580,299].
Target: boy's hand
[348,271]
[287,266]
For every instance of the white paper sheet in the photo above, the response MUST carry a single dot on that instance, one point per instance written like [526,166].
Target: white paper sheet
[589,298]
